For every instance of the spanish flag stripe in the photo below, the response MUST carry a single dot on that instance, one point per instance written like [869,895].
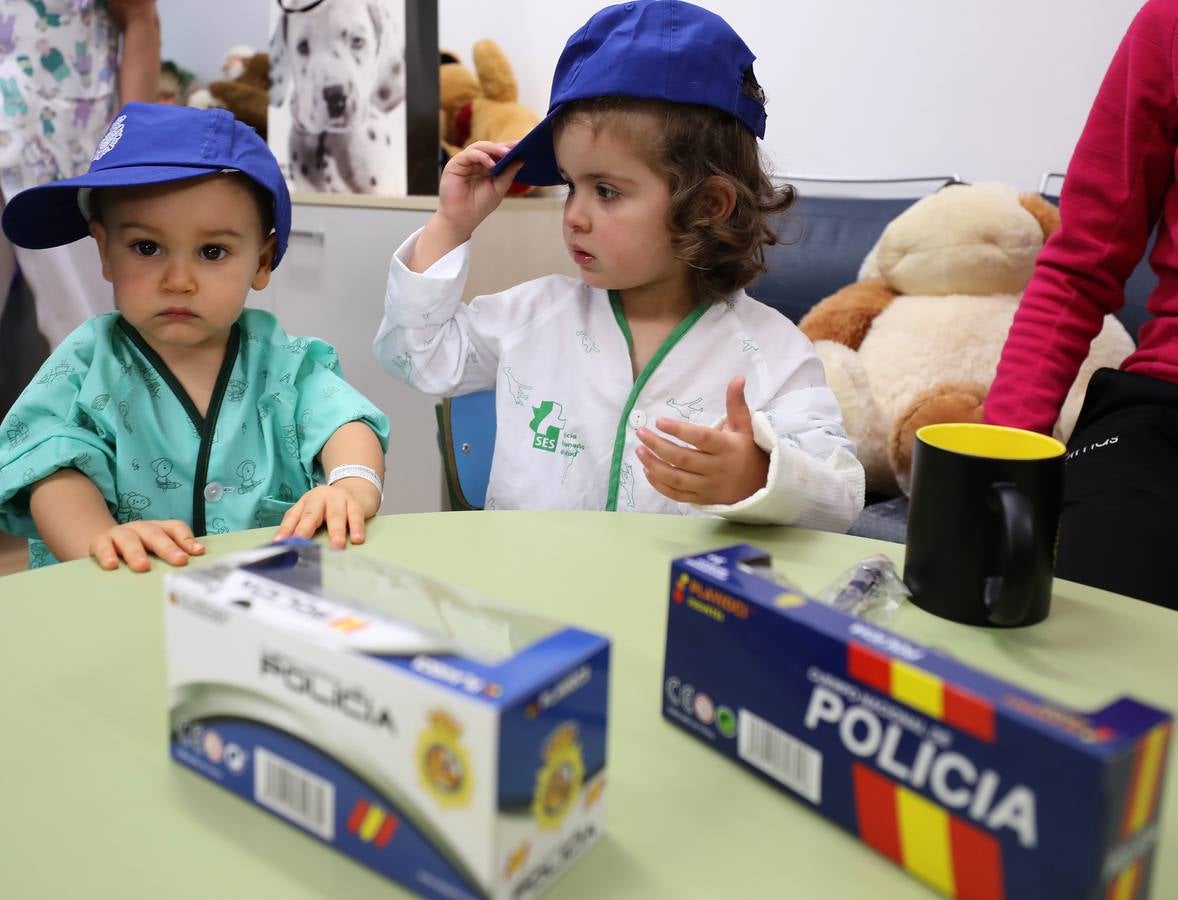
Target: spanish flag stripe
[1163,756]
[1134,784]
[1144,799]
[875,808]
[969,713]
[924,840]
[359,811]
[372,823]
[977,861]
[919,689]
[387,830]
[1124,886]
[871,668]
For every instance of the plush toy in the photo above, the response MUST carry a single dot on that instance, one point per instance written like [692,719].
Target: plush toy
[917,339]
[173,83]
[482,108]
[246,95]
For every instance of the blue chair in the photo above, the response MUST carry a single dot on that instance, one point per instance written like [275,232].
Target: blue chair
[466,440]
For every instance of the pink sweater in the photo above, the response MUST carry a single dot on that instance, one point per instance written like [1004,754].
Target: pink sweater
[1120,181]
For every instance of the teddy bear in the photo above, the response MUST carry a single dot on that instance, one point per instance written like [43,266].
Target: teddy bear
[917,339]
[484,107]
[246,94]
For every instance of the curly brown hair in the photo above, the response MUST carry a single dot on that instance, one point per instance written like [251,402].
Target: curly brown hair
[690,145]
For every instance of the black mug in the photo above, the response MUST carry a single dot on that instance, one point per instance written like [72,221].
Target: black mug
[982,520]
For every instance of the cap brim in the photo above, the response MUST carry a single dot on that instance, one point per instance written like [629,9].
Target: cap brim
[536,150]
[48,215]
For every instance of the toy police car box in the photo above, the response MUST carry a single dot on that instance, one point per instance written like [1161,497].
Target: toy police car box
[452,744]
[973,785]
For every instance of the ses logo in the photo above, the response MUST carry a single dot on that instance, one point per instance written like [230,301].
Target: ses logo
[547,423]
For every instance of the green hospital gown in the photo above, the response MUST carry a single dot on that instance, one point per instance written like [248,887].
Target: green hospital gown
[105,404]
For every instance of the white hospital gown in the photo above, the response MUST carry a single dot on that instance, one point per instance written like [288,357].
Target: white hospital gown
[557,353]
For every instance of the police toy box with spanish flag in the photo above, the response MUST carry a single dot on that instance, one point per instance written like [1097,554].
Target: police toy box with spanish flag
[453,744]
[973,785]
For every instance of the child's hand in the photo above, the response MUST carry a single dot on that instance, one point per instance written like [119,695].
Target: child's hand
[343,509]
[467,193]
[170,540]
[723,465]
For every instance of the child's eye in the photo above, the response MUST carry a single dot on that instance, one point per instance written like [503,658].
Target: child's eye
[146,248]
[605,192]
[213,252]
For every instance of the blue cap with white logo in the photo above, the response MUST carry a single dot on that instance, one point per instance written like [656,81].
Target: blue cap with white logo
[649,49]
[148,143]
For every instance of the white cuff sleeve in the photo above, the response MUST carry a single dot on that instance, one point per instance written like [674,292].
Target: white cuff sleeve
[414,299]
[800,489]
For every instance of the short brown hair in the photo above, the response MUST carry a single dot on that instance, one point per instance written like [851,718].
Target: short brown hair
[263,199]
[688,145]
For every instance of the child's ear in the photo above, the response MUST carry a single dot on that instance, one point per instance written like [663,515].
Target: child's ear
[98,232]
[718,199]
[265,260]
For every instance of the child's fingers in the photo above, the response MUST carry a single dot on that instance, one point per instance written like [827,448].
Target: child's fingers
[310,520]
[128,546]
[182,535]
[740,418]
[337,520]
[356,523]
[702,437]
[102,548]
[686,458]
[668,491]
[486,160]
[505,179]
[490,149]
[287,526]
[156,538]
[679,480]
[479,155]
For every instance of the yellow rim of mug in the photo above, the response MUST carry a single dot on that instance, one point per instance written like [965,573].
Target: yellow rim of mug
[991,441]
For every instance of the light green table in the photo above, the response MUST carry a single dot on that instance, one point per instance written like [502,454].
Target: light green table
[92,806]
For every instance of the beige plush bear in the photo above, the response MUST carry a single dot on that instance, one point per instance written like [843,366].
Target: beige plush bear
[917,339]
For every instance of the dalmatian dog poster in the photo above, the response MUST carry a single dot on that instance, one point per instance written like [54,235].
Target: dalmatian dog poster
[337,117]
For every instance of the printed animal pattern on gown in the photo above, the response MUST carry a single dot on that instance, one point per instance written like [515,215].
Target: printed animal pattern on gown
[105,404]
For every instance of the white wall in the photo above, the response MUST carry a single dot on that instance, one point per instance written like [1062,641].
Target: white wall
[197,34]
[989,89]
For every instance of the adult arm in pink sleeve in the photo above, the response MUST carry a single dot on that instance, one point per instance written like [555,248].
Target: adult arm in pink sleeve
[1116,184]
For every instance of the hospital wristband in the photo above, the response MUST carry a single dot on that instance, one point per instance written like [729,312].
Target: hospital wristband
[353,470]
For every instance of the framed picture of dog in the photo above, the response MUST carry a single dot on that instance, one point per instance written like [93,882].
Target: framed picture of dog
[354,95]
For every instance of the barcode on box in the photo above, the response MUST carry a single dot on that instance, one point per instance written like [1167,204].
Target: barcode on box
[780,755]
[295,793]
